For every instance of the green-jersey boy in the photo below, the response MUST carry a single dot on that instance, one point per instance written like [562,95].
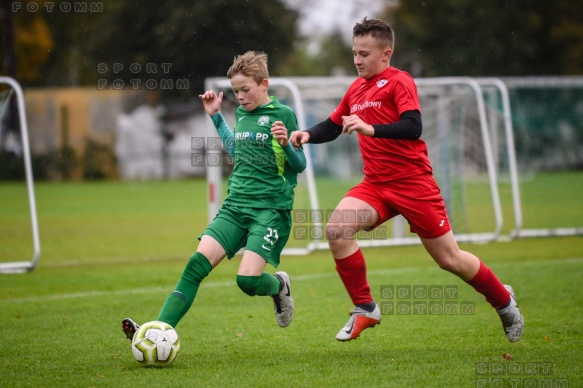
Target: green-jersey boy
[256,215]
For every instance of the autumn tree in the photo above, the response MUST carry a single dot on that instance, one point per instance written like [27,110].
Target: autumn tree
[26,42]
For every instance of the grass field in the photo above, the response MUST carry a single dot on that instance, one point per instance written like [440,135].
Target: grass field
[111,250]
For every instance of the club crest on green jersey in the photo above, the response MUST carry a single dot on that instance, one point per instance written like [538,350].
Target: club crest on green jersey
[263,121]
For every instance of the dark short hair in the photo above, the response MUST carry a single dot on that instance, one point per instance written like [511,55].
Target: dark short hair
[377,28]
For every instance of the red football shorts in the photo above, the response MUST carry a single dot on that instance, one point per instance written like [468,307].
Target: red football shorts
[417,198]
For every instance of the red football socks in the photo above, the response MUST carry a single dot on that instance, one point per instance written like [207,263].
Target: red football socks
[487,284]
[352,271]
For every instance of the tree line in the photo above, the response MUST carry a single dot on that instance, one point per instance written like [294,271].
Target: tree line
[81,43]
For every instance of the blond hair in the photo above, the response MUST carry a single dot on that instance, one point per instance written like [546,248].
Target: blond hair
[251,64]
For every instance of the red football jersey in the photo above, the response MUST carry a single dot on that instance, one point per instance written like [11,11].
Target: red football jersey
[381,100]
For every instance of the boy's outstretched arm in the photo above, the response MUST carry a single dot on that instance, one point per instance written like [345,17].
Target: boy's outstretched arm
[212,105]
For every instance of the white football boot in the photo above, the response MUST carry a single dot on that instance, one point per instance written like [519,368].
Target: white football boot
[283,303]
[511,318]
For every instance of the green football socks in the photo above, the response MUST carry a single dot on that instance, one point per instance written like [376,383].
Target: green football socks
[179,301]
[264,285]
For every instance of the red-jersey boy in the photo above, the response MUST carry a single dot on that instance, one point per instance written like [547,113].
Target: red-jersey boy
[382,107]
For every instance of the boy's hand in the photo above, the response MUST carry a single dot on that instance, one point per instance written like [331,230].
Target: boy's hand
[279,131]
[354,123]
[298,138]
[211,102]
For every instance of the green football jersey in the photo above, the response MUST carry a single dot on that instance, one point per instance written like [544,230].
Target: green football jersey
[262,177]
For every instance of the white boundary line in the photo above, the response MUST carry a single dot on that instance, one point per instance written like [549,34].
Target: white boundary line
[299,278]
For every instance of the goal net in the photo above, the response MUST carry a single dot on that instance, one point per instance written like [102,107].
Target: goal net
[455,129]
[547,119]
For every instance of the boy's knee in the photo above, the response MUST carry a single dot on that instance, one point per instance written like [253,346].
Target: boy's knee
[248,284]
[340,232]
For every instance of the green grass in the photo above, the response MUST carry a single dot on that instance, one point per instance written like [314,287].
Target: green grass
[548,200]
[111,250]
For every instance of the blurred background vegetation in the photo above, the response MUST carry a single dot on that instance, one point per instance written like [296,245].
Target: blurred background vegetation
[75,44]
[200,39]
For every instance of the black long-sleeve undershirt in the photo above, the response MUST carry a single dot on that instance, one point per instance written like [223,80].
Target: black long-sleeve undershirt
[409,127]
[324,132]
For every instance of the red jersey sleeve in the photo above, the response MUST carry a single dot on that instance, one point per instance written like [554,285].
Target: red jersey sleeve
[405,93]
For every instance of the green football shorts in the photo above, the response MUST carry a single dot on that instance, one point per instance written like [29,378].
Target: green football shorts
[263,231]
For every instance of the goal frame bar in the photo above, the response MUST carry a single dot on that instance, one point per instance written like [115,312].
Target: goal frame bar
[24,266]
[214,175]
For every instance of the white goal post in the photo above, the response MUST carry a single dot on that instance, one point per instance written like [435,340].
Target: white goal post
[506,118]
[569,88]
[314,98]
[24,266]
